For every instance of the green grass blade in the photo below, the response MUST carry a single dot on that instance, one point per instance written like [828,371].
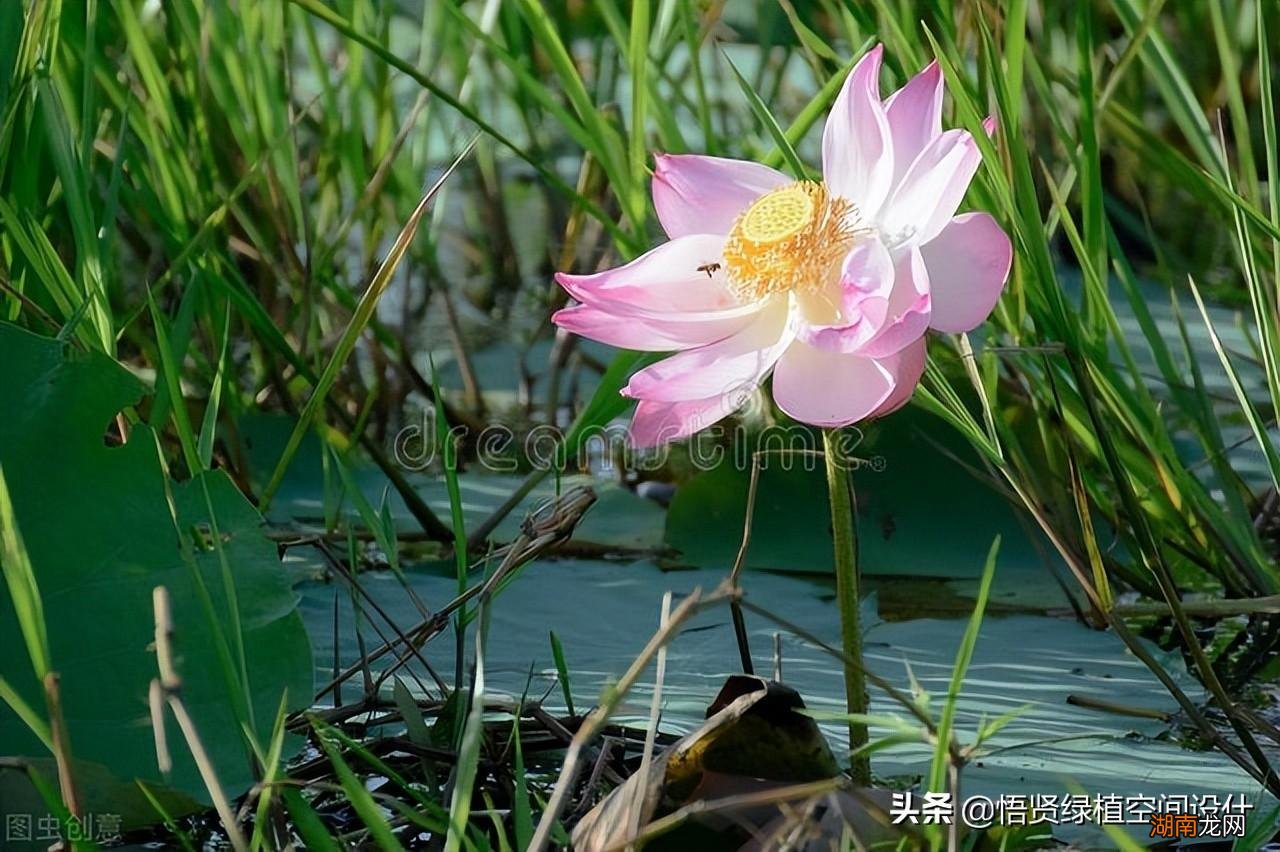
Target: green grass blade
[170,372]
[562,672]
[434,817]
[1090,163]
[360,799]
[307,822]
[384,532]
[324,13]
[702,104]
[637,151]
[964,656]
[1015,43]
[449,460]
[414,723]
[166,818]
[763,115]
[271,771]
[27,714]
[1270,144]
[527,82]
[33,245]
[609,145]
[24,591]
[814,109]
[1178,95]
[1256,424]
[1230,61]
[469,749]
[209,426]
[63,145]
[347,343]
[521,808]
[53,801]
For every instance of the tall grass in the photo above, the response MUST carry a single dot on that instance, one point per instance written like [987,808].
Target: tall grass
[203,189]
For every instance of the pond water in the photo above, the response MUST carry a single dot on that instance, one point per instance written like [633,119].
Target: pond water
[922,547]
[604,611]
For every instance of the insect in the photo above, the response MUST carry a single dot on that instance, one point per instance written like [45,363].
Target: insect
[709,268]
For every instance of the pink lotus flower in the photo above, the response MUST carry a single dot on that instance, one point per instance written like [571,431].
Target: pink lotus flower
[829,285]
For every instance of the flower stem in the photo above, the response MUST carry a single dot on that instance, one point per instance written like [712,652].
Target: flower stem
[845,535]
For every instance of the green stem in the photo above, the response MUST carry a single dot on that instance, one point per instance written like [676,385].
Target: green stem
[844,532]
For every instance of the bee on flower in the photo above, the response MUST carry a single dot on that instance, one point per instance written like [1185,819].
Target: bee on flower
[829,285]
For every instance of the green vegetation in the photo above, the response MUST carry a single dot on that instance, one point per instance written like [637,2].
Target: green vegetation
[247,247]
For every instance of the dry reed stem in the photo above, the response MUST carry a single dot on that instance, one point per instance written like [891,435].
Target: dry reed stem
[689,607]
[170,686]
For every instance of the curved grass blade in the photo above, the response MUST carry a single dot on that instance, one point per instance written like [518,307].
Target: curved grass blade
[23,590]
[1267,105]
[521,809]
[562,672]
[209,426]
[766,118]
[342,25]
[1247,407]
[307,822]
[346,344]
[815,108]
[964,656]
[170,373]
[469,749]
[1171,81]
[363,803]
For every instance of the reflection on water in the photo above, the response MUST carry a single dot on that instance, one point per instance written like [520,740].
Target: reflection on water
[605,611]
